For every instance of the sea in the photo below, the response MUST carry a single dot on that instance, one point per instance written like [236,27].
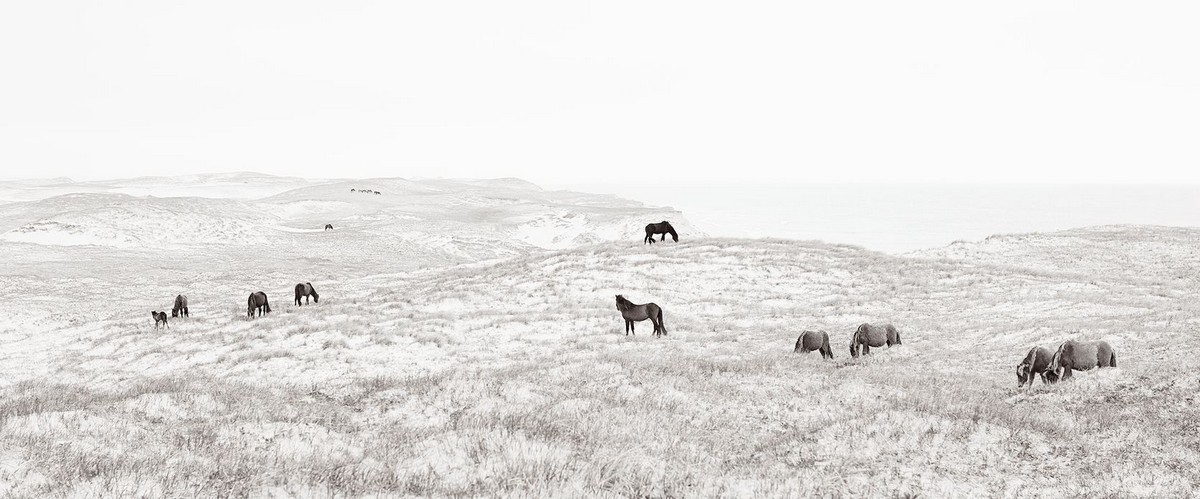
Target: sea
[900,218]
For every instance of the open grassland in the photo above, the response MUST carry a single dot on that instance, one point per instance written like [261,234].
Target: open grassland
[514,378]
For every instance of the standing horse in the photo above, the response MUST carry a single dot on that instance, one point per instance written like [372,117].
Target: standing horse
[257,301]
[305,290]
[814,340]
[664,228]
[1081,356]
[868,336]
[180,307]
[159,318]
[328,226]
[635,313]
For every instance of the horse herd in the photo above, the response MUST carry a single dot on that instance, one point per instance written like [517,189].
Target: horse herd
[1051,366]
[256,303]
[1040,361]
[1070,356]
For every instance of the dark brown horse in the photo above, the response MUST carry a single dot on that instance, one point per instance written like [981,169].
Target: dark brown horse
[328,226]
[1081,356]
[257,301]
[867,336]
[636,313]
[1035,362]
[814,340]
[180,308]
[306,290]
[664,228]
[159,318]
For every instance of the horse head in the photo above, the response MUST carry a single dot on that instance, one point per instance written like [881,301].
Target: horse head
[1056,361]
[1022,374]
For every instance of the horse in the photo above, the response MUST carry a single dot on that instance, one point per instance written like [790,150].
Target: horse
[328,226]
[814,340]
[305,290]
[664,228]
[873,336]
[351,190]
[377,193]
[159,318]
[1081,356]
[1036,361]
[257,301]
[635,313]
[180,307]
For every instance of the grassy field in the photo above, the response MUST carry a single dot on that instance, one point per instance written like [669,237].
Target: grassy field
[514,378]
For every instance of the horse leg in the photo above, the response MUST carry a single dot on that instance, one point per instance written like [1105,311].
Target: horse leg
[866,348]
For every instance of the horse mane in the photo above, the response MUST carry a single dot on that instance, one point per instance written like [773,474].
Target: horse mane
[311,289]
[623,304]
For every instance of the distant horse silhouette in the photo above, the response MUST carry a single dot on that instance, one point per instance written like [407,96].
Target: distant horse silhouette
[1081,356]
[159,318]
[328,226]
[305,290]
[180,307]
[868,336]
[351,190]
[635,313]
[664,228]
[814,340]
[377,192]
[257,301]
[1035,362]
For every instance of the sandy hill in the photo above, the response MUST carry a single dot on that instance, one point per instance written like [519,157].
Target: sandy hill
[450,371]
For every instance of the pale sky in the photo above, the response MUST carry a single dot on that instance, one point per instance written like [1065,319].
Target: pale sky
[563,92]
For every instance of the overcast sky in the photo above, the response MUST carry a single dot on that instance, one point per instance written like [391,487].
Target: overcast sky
[567,92]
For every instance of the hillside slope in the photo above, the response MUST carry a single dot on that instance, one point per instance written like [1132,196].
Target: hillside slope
[514,378]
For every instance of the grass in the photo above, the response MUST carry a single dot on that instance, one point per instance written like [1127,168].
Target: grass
[514,378]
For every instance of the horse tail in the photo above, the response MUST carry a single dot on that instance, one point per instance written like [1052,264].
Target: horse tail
[826,350]
[266,304]
[662,325]
[1112,361]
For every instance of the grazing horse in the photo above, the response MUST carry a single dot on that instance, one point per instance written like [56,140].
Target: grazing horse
[868,336]
[328,226]
[159,318]
[257,301]
[305,290]
[814,340]
[1036,361]
[634,313]
[664,228]
[376,192]
[1081,356]
[351,190]
[180,307]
